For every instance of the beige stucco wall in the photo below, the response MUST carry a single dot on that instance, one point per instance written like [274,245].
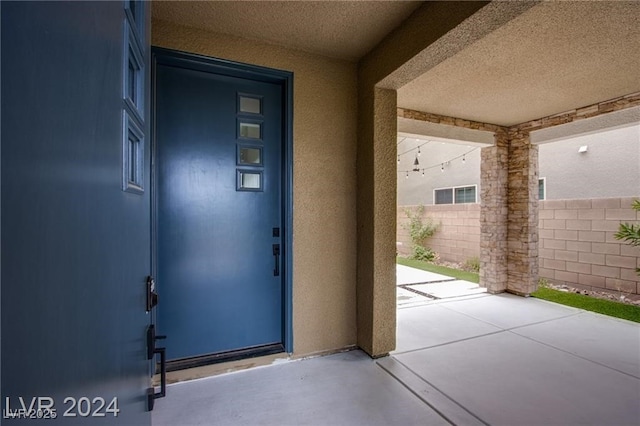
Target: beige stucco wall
[324,217]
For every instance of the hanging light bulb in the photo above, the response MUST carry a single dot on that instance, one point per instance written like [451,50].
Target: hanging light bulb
[419,152]
[422,172]
[398,159]
[407,176]
[463,157]
[442,167]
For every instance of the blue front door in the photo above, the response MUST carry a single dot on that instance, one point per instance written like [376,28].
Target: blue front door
[75,246]
[218,165]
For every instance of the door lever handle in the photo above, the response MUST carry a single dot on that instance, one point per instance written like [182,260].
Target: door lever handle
[276,256]
[152,351]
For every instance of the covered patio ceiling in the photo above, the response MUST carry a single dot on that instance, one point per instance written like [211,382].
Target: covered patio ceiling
[554,57]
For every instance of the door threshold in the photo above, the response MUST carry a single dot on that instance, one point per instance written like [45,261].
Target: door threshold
[223,367]
[219,357]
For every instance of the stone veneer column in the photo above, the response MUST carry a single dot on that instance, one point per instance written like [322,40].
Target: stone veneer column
[493,214]
[522,232]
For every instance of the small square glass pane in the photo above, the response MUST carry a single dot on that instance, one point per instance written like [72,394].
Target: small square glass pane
[132,156]
[132,88]
[250,105]
[251,156]
[250,130]
[249,180]
[133,160]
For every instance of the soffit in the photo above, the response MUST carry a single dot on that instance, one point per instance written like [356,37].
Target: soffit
[338,29]
[555,57]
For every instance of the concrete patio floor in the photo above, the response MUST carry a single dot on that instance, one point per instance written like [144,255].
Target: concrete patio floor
[483,359]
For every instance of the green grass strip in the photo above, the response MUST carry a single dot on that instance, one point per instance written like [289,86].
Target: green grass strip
[580,301]
[442,270]
[588,303]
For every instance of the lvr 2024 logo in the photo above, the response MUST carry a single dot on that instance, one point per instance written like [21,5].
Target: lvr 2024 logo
[37,407]
[44,407]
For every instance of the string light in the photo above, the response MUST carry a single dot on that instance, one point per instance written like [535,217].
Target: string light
[416,163]
[414,148]
[407,177]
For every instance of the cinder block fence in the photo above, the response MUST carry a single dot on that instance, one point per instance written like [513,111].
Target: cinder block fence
[577,244]
[458,236]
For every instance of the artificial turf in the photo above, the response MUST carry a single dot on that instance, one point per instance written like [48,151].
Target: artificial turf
[443,270]
[588,303]
[580,301]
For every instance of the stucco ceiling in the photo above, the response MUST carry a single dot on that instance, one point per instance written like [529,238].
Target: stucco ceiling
[338,29]
[555,57]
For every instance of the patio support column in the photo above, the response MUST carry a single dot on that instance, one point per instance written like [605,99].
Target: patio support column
[494,214]
[523,214]
[509,214]
[434,32]
[376,169]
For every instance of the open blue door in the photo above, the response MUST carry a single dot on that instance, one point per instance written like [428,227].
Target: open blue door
[75,212]
[220,143]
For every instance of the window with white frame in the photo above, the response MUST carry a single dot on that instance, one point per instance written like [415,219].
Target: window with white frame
[455,195]
[542,189]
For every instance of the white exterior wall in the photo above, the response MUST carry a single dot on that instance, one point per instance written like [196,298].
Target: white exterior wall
[609,168]
[416,189]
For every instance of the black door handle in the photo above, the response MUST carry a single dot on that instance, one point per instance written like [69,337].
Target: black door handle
[152,395]
[276,255]
[163,373]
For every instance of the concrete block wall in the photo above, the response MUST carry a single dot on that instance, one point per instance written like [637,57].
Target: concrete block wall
[458,236]
[578,245]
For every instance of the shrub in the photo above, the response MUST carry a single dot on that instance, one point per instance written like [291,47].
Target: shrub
[630,233]
[472,265]
[423,253]
[419,230]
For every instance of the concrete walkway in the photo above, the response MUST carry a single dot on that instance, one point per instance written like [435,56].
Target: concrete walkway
[475,360]
[417,287]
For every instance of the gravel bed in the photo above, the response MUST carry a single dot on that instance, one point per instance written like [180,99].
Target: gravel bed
[630,299]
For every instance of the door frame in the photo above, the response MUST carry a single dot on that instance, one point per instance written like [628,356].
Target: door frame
[162,56]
